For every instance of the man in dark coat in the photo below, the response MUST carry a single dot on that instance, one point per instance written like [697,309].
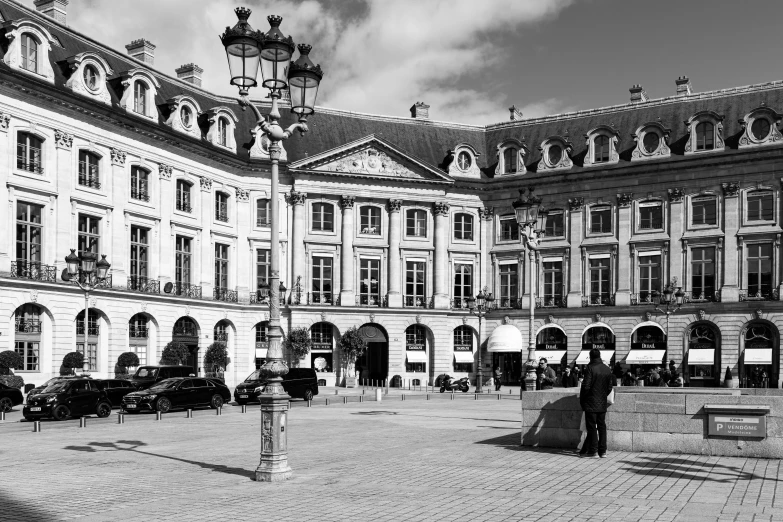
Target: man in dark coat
[597,383]
[546,376]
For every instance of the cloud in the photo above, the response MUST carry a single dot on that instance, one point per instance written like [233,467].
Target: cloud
[380,56]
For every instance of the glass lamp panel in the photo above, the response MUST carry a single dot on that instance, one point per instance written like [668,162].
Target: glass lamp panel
[88,260]
[243,62]
[303,91]
[275,60]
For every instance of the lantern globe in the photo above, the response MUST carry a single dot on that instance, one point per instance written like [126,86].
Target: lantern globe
[303,80]
[276,52]
[72,263]
[88,260]
[103,267]
[263,290]
[243,51]
[471,302]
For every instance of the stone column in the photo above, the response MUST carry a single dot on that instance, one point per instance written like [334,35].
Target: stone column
[165,195]
[394,295]
[485,269]
[622,295]
[347,294]
[207,267]
[63,227]
[676,229]
[240,264]
[117,187]
[729,293]
[6,247]
[298,232]
[441,264]
[575,236]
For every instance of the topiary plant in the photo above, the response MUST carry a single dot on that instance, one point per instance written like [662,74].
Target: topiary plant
[216,357]
[352,345]
[14,381]
[9,360]
[125,361]
[174,353]
[71,362]
[299,343]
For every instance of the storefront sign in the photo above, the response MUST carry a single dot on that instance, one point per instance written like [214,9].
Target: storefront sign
[598,346]
[727,425]
[648,346]
[645,356]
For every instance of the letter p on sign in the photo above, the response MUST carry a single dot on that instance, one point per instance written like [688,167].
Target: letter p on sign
[720,426]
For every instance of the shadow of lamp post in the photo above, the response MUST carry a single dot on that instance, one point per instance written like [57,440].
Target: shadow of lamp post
[480,306]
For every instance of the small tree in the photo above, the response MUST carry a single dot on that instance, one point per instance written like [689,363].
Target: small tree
[174,353]
[728,376]
[125,361]
[9,360]
[216,357]
[71,362]
[299,343]
[352,345]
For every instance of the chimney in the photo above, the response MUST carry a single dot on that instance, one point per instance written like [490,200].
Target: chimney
[56,9]
[516,114]
[638,94]
[191,73]
[420,110]
[143,50]
[683,86]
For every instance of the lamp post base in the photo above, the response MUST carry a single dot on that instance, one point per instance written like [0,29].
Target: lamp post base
[273,466]
[530,377]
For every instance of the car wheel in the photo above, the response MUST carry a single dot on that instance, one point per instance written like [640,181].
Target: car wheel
[308,394]
[6,404]
[103,410]
[216,402]
[61,412]
[163,405]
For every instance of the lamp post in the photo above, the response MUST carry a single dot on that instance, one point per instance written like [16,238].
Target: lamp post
[480,306]
[248,51]
[530,217]
[668,302]
[86,262]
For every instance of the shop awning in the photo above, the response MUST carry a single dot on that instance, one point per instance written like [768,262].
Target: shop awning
[645,357]
[463,357]
[584,356]
[416,356]
[260,353]
[505,338]
[551,356]
[701,356]
[758,355]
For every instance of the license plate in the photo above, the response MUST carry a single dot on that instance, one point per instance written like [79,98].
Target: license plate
[35,409]
[243,396]
[130,406]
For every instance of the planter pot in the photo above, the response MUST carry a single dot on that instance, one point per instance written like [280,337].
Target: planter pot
[640,382]
[731,384]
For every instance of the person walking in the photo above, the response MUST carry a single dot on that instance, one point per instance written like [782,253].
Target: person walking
[498,378]
[546,376]
[568,378]
[597,384]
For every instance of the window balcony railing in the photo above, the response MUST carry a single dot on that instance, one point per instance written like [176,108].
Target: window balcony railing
[184,330]
[105,284]
[259,299]
[417,301]
[509,235]
[29,159]
[459,303]
[642,298]
[184,206]
[221,337]
[224,294]
[88,176]
[598,300]
[22,325]
[93,330]
[508,302]
[552,301]
[187,290]
[221,215]
[143,284]
[702,297]
[138,332]
[371,300]
[321,298]
[140,193]
[34,271]
[770,295]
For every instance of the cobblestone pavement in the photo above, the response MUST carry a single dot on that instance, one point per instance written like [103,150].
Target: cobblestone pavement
[395,460]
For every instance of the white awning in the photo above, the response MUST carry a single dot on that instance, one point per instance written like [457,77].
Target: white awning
[505,338]
[645,357]
[417,356]
[260,353]
[463,357]
[584,356]
[758,355]
[701,356]
[551,356]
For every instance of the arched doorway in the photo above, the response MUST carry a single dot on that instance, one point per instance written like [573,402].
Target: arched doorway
[648,347]
[374,364]
[464,339]
[138,336]
[760,361]
[505,345]
[27,336]
[552,345]
[322,358]
[417,341]
[95,334]
[703,357]
[601,338]
[186,332]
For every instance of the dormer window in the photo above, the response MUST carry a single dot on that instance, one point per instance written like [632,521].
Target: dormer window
[760,127]
[601,149]
[602,146]
[139,92]
[186,116]
[91,77]
[706,132]
[555,152]
[464,163]
[140,95]
[87,76]
[222,131]
[510,160]
[511,157]
[183,114]
[27,48]
[652,141]
[29,53]
[705,136]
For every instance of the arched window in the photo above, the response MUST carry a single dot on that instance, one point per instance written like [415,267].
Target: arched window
[648,335]
[702,355]
[220,332]
[759,357]
[91,77]
[93,337]
[416,346]
[29,53]
[510,160]
[138,336]
[27,336]
[601,150]
[89,169]
[463,349]
[599,335]
[185,327]
[323,217]
[416,223]
[140,183]
[186,116]
[321,356]
[705,136]
[28,153]
[183,196]
[140,95]
[222,132]
[463,226]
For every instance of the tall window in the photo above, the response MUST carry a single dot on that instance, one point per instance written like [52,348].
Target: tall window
[29,53]
[29,231]
[601,144]
[650,215]
[463,284]
[183,196]
[554,224]
[415,283]
[649,276]
[508,286]
[416,223]
[553,283]
[760,206]
[599,281]
[262,332]
[88,170]
[463,227]
[222,136]
[89,234]
[263,263]
[705,136]
[28,153]
[759,269]
[140,184]
[463,342]
[415,341]
[221,265]
[322,280]
[510,160]
[705,210]
[93,336]
[370,220]
[140,95]
[509,228]
[703,273]
[323,217]
[220,332]
[221,206]
[601,220]
[138,337]
[369,282]
[263,213]
[183,263]
[139,247]
[27,336]
[321,355]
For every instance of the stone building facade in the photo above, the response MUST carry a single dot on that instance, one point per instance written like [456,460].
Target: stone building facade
[388,224]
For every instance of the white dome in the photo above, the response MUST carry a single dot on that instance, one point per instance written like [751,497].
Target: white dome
[505,338]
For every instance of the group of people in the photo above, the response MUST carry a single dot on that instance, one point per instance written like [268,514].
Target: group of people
[655,376]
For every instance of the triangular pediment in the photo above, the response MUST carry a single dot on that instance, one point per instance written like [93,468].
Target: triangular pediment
[370,157]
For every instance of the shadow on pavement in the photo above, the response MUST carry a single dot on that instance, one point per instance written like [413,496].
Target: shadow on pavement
[17,509]
[665,466]
[133,445]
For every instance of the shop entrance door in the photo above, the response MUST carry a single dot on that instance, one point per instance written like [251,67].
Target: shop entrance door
[374,364]
[511,365]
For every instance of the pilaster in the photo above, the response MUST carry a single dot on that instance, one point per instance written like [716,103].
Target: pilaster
[440,267]
[242,271]
[624,269]
[729,293]
[485,268]
[117,187]
[165,197]
[6,247]
[676,229]
[297,200]
[347,294]
[207,205]
[575,235]
[394,295]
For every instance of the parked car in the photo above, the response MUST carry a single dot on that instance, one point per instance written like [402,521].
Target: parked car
[10,397]
[178,392]
[298,383]
[146,376]
[39,389]
[116,389]
[68,398]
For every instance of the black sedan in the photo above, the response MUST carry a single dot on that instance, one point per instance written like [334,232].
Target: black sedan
[9,397]
[71,398]
[179,392]
[116,389]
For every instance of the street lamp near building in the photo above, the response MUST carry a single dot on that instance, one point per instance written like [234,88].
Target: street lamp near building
[248,51]
[480,306]
[530,218]
[668,302]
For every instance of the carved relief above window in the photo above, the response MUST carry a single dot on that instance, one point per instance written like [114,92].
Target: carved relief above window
[138,94]
[760,127]
[89,72]
[652,142]
[28,48]
[602,146]
[183,115]
[222,124]
[511,156]
[555,154]
[706,132]
[465,163]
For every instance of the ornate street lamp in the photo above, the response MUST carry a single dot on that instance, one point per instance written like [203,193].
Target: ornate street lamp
[668,302]
[530,217]
[248,50]
[480,306]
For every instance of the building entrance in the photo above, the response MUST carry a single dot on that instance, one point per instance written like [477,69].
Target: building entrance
[510,365]
[185,331]
[374,364]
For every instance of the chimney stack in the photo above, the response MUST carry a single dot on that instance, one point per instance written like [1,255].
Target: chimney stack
[638,94]
[56,9]
[191,73]
[143,50]
[420,111]
[516,114]
[683,86]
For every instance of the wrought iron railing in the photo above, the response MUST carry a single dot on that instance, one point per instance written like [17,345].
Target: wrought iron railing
[508,302]
[184,330]
[140,194]
[371,300]
[770,295]
[138,332]
[187,290]
[224,294]
[552,301]
[702,297]
[221,337]
[88,175]
[417,301]
[459,303]
[105,284]
[143,284]
[598,300]
[184,206]
[642,298]
[260,299]
[29,159]
[221,215]
[22,325]
[35,271]
[321,298]
[92,329]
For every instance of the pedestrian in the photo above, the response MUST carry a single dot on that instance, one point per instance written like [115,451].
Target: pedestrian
[655,378]
[597,384]
[567,377]
[577,374]
[546,376]
[676,381]
[629,379]
[498,377]
[672,367]
[618,372]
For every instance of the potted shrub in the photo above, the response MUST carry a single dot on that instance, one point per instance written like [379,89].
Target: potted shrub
[216,359]
[71,362]
[298,344]
[10,360]
[175,353]
[351,346]
[728,380]
[124,361]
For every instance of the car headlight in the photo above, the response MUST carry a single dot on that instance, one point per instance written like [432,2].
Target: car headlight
[150,397]
[52,398]
[258,389]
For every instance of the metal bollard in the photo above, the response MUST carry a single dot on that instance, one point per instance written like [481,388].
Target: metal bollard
[428,396]
[337,392]
[244,408]
[2,416]
[498,396]
[378,395]
[452,396]
[219,410]
[475,396]
[402,396]
[36,426]
[361,398]
[345,400]
[327,402]
[158,415]
[189,414]
[120,418]
[309,404]
[82,422]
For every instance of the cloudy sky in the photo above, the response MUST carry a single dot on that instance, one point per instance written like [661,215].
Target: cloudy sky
[470,59]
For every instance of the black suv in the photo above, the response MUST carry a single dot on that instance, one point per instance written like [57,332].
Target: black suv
[116,389]
[146,376]
[177,393]
[9,397]
[298,382]
[69,398]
